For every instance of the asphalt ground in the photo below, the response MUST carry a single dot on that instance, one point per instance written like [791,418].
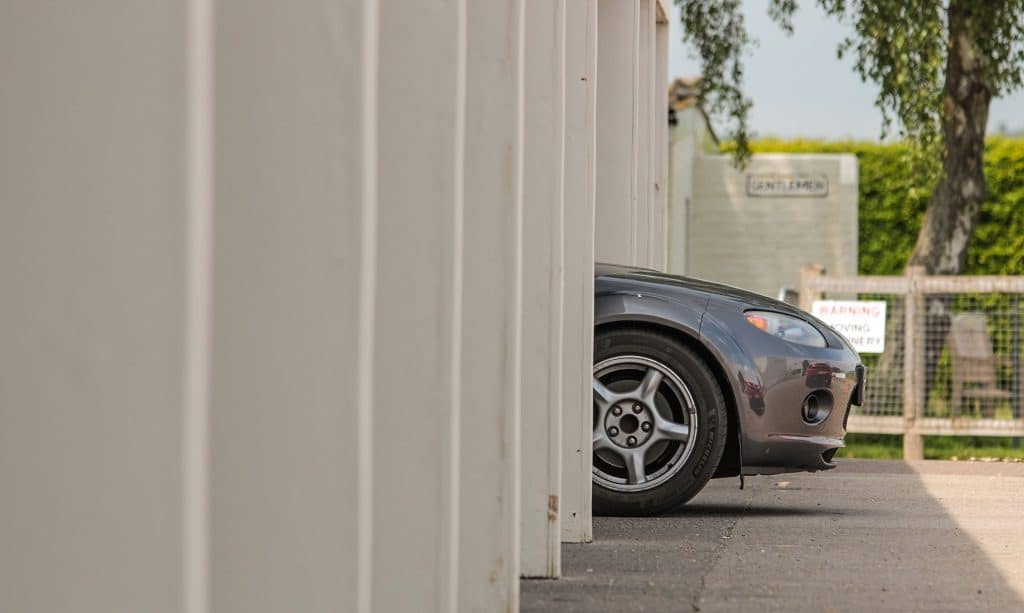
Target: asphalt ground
[871,535]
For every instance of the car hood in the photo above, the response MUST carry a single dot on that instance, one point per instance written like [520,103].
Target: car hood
[641,279]
[715,290]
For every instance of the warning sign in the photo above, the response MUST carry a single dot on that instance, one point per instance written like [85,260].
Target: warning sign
[862,322]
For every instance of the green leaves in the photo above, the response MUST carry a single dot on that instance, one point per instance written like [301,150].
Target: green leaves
[998,246]
[716,29]
[900,45]
[997,29]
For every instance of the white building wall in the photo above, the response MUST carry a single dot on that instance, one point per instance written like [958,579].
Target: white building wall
[615,223]
[578,301]
[685,141]
[630,120]
[644,131]
[760,243]
[289,375]
[489,477]
[280,315]
[659,206]
[94,337]
[444,482]
[543,279]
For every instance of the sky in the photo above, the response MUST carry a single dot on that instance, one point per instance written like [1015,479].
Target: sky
[800,89]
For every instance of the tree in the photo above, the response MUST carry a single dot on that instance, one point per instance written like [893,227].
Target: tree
[937,66]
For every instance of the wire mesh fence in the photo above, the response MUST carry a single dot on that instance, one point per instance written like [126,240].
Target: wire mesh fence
[952,361]
[972,365]
[885,394]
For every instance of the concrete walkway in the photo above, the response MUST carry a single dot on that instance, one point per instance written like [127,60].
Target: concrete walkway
[868,536]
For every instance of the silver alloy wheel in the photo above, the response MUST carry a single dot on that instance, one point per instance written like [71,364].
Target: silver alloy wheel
[645,423]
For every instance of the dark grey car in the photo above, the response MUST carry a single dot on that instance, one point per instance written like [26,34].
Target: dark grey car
[695,380]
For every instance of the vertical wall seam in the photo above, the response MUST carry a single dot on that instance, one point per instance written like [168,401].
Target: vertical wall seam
[198,257]
[652,182]
[367,301]
[455,382]
[586,520]
[652,158]
[513,422]
[661,34]
[635,143]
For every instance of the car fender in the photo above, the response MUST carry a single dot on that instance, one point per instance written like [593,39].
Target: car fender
[682,315]
[688,317]
[745,379]
[743,375]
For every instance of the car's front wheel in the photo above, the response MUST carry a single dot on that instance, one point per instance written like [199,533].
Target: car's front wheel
[659,422]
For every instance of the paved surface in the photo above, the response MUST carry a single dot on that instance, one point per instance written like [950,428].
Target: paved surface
[868,536]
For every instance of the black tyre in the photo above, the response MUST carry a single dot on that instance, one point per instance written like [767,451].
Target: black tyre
[659,422]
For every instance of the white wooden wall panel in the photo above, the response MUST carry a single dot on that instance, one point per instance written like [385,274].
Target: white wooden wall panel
[269,269]
[659,206]
[645,134]
[294,181]
[417,333]
[615,223]
[578,327]
[93,350]
[491,308]
[543,280]
[630,221]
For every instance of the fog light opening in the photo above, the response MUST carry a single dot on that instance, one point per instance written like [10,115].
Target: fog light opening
[811,408]
[816,407]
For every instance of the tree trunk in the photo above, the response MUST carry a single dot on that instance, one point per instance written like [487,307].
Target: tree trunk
[952,213]
[953,210]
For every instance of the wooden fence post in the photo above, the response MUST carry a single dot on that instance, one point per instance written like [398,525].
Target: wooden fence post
[913,378]
[807,297]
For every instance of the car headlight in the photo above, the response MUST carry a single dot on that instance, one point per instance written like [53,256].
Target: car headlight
[792,329]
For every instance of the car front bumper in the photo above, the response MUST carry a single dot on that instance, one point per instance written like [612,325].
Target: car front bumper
[793,401]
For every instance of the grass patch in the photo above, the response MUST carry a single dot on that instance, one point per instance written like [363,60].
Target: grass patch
[872,447]
[890,447]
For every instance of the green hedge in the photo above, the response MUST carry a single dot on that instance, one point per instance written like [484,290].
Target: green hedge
[893,201]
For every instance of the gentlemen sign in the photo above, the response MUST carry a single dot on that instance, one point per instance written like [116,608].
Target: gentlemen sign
[862,322]
[780,185]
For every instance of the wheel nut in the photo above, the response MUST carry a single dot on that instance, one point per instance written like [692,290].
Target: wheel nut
[617,411]
[646,426]
[637,408]
[631,441]
[613,431]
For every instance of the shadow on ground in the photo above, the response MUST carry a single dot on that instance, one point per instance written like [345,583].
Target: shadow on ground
[868,536]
